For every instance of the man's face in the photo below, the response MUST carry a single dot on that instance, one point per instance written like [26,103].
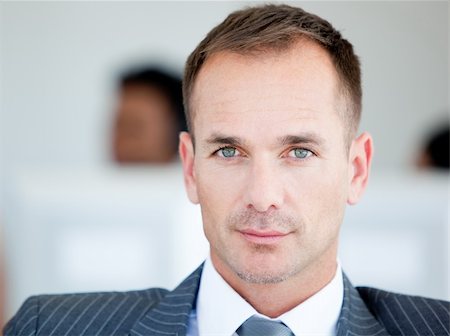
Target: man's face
[271,169]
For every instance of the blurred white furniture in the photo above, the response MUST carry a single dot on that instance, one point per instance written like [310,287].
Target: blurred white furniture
[117,229]
[122,229]
[397,237]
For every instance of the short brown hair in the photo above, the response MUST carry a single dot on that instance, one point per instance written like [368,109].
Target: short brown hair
[277,27]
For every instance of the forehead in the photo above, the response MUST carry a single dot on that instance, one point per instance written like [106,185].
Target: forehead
[298,85]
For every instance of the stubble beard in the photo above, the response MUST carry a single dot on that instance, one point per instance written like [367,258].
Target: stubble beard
[259,274]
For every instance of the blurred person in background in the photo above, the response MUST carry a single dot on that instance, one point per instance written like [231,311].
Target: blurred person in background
[149,116]
[436,150]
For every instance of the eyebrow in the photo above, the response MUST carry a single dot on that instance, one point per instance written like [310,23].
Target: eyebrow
[306,138]
[219,139]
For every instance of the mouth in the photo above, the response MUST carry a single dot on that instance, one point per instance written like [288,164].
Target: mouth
[263,237]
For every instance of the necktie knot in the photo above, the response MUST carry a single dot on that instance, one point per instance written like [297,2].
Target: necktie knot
[259,326]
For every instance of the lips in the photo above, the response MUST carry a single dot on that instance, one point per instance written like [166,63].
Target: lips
[263,237]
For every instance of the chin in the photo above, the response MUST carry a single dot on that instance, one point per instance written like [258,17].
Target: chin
[264,278]
[264,272]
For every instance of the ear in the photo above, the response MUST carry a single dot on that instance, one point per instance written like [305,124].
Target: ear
[360,159]
[186,149]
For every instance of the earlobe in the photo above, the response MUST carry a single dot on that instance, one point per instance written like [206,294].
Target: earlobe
[360,160]
[186,150]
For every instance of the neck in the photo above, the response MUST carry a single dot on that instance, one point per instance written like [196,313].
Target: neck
[273,300]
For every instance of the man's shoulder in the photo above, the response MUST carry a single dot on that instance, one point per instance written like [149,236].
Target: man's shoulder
[104,313]
[406,314]
[53,301]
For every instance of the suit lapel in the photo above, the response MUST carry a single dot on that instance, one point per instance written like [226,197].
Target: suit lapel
[355,318]
[171,315]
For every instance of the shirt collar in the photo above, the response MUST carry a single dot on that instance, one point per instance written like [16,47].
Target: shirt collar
[221,310]
[319,314]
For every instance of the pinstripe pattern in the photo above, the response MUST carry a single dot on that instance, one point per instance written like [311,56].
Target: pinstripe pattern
[356,319]
[408,315]
[82,314]
[156,312]
[171,315]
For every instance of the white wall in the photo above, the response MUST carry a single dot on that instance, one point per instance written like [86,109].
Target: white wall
[59,59]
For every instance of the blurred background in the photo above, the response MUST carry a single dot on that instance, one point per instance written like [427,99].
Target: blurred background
[82,210]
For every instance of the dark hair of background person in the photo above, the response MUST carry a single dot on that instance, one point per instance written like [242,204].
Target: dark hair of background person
[435,153]
[255,31]
[149,98]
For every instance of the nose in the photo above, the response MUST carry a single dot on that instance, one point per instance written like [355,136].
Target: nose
[264,190]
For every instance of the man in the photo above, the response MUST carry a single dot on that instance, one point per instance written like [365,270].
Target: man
[273,100]
[149,117]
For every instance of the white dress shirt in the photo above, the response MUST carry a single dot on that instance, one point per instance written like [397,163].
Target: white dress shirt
[220,310]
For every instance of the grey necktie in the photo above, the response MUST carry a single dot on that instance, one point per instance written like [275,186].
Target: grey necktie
[258,326]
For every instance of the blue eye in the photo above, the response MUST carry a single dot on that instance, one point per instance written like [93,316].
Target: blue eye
[300,153]
[227,152]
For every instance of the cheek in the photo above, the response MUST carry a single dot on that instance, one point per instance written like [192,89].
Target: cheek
[320,194]
[217,193]
[219,186]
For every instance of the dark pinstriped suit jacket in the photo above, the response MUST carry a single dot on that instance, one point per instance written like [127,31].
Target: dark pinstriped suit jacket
[365,311]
